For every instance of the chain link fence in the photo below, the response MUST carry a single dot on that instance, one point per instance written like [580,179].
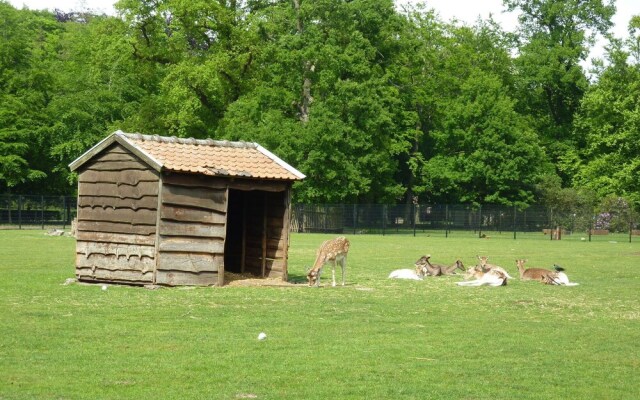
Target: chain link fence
[458,219]
[37,212]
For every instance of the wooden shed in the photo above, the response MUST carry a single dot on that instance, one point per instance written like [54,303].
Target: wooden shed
[170,211]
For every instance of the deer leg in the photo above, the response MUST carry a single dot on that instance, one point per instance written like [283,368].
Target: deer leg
[333,272]
[343,264]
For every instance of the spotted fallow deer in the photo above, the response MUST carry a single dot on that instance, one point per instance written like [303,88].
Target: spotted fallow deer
[546,276]
[488,277]
[330,251]
[484,264]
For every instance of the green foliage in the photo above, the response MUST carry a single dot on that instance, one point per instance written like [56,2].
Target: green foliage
[551,81]
[373,105]
[609,125]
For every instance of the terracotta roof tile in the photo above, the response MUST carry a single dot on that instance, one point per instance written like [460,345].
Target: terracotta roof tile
[212,157]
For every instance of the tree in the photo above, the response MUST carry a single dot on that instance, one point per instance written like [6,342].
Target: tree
[321,97]
[24,91]
[555,38]
[609,124]
[469,143]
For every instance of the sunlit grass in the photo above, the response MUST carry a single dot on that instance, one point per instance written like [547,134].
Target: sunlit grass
[375,338]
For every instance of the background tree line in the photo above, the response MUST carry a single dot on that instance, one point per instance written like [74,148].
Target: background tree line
[374,104]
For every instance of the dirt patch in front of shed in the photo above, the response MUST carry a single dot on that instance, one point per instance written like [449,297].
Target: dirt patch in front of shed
[242,280]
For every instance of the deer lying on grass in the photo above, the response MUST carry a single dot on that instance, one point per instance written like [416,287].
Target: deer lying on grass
[451,270]
[406,273]
[424,266]
[484,264]
[489,277]
[330,251]
[544,275]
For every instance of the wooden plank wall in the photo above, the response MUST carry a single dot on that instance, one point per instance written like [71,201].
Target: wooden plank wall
[192,230]
[117,212]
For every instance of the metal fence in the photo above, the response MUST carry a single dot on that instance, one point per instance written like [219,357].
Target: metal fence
[40,212]
[36,212]
[460,219]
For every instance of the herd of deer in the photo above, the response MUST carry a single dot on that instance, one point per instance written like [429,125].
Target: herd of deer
[336,250]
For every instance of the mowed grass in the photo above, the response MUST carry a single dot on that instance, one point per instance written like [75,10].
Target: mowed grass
[374,338]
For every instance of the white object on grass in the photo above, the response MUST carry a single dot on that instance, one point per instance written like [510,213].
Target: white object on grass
[262,336]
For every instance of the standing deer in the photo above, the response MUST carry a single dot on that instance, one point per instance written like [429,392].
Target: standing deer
[330,251]
[544,275]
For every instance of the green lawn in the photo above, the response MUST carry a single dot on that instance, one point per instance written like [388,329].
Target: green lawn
[375,338]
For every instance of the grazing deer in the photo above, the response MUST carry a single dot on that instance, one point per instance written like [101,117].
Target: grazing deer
[330,251]
[490,277]
[486,266]
[546,276]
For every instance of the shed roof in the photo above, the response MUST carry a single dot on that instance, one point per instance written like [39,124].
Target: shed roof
[206,157]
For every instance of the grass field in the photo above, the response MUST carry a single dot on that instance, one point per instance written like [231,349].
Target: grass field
[374,338]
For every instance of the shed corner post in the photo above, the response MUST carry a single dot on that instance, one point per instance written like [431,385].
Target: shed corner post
[287,233]
[221,268]
[158,220]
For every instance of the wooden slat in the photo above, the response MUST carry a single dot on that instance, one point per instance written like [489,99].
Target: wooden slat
[191,245]
[115,227]
[266,186]
[117,249]
[176,278]
[190,262]
[221,183]
[118,177]
[210,199]
[273,265]
[148,202]
[170,228]
[192,180]
[110,156]
[122,191]
[183,214]
[106,237]
[137,217]
[120,276]
[113,263]
[95,165]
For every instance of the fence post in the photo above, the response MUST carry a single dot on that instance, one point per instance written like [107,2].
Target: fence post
[355,218]
[593,219]
[413,218]
[480,221]
[20,212]
[9,208]
[515,221]
[446,220]
[64,212]
[384,218]
[630,230]
[42,211]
